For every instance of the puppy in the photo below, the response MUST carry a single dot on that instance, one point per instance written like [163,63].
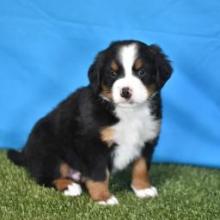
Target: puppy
[103,127]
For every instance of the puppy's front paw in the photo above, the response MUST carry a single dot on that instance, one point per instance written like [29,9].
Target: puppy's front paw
[111,201]
[145,193]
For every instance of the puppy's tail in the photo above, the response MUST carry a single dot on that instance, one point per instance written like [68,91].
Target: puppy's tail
[16,157]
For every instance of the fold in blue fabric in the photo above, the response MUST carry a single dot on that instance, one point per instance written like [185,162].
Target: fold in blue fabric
[46,48]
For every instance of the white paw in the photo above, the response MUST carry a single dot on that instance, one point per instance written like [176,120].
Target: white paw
[73,190]
[145,193]
[111,201]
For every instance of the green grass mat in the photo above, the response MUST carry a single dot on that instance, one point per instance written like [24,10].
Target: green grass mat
[184,193]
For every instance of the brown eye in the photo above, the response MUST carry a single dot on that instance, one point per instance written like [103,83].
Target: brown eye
[113,74]
[141,73]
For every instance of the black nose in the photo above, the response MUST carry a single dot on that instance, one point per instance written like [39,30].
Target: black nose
[126,93]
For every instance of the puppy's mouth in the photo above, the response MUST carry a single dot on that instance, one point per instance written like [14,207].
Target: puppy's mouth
[127,104]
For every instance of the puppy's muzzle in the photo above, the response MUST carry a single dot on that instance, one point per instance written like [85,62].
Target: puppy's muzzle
[126,93]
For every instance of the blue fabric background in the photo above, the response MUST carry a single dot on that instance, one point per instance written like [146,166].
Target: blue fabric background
[46,47]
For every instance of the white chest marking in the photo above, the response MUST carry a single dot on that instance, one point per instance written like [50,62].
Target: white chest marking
[135,128]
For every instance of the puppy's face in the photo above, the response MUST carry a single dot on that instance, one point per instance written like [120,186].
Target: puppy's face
[128,73]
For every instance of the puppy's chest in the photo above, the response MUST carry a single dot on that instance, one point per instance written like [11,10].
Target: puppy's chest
[134,129]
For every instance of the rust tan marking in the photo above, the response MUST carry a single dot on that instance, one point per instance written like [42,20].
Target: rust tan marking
[140,175]
[107,135]
[151,89]
[138,64]
[98,190]
[64,170]
[62,183]
[114,66]
[106,92]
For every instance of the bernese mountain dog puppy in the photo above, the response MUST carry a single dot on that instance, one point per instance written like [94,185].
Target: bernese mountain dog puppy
[103,127]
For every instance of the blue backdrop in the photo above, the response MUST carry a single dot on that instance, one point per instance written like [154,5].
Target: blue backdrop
[46,47]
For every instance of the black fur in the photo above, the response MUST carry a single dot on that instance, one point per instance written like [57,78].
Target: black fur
[71,132]
[17,157]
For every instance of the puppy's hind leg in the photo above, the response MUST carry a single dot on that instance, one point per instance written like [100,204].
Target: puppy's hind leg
[68,187]
[67,182]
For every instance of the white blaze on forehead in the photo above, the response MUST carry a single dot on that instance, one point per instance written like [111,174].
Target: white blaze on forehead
[127,55]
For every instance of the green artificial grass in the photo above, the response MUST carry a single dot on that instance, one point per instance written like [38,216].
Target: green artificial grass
[184,193]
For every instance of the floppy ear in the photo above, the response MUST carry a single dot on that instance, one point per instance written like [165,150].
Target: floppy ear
[163,67]
[94,73]
[94,77]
